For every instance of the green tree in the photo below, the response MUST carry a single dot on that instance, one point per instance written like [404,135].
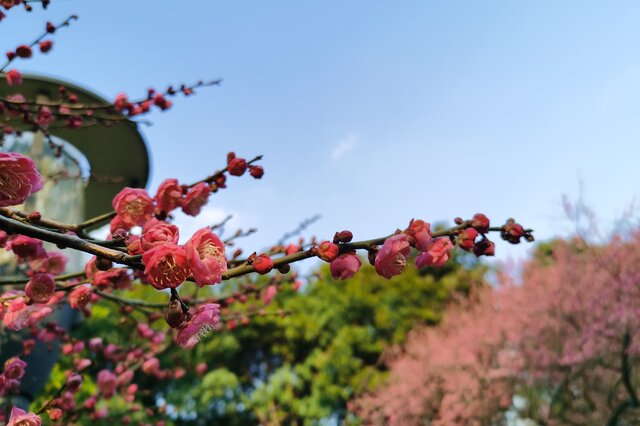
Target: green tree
[300,369]
[304,368]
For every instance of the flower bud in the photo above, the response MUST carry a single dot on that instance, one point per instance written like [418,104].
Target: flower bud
[263,264]
[256,172]
[343,237]
[73,382]
[466,238]
[24,51]
[174,315]
[512,232]
[484,247]
[480,222]
[237,166]
[284,268]
[327,251]
[103,264]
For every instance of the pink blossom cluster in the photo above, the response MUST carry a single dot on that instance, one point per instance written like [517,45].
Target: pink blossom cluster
[563,329]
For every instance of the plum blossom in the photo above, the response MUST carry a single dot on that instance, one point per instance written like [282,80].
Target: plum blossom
[166,266]
[40,288]
[80,297]
[205,319]
[392,257]
[14,368]
[437,255]
[20,417]
[420,233]
[53,263]
[26,248]
[169,195]
[19,178]
[205,255]
[107,383]
[14,78]
[158,234]
[133,206]
[345,266]
[195,199]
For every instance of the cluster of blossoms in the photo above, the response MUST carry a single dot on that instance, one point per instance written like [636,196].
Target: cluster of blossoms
[391,259]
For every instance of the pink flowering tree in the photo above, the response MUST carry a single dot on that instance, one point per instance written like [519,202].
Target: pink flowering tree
[561,347]
[142,252]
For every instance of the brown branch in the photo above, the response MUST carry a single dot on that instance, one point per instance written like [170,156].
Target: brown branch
[220,173]
[65,277]
[13,226]
[40,38]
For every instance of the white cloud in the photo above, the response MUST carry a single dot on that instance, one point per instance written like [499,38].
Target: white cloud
[344,147]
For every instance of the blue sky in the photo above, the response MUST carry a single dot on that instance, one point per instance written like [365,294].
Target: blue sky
[370,112]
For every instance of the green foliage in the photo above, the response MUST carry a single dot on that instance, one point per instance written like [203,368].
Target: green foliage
[300,369]
[303,368]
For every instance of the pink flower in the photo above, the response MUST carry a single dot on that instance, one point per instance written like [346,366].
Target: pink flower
[133,206]
[205,319]
[269,294]
[14,78]
[40,288]
[80,297]
[201,368]
[480,222]
[22,418]
[19,178]
[420,232]
[26,248]
[121,102]
[345,266]
[166,266]
[328,251]
[392,257]
[437,255]
[54,413]
[107,382]
[237,166]
[291,248]
[45,117]
[151,366]
[169,195]
[263,264]
[18,314]
[116,277]
[53,263]
[196,198]
[466,239]
[117,224]
[45,46]
[134,245]
[14,368]
[159,234]
[205,254]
